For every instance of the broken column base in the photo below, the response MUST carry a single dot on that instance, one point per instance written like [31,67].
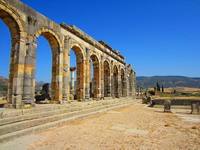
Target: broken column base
[195,108]
[167,106]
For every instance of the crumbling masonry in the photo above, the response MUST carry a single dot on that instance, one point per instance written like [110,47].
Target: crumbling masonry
[112,78]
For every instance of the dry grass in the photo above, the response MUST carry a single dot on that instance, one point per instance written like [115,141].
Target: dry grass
[181,89]
[3,101]
[172,97]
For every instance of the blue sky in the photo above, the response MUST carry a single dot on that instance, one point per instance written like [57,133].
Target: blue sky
[158,37]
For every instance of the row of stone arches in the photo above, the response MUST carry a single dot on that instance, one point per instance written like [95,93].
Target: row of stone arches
[109,79]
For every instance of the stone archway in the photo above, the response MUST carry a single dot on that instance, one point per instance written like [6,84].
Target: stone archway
[80,71]
[95,83]
[106,69]
[18,40]
[115,81]
[55,44]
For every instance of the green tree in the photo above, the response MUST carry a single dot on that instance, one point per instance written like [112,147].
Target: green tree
[158,86]
[174,90]
[162,88]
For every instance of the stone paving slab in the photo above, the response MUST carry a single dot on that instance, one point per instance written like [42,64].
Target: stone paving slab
[125,128]
[21,143]
[136,131]
[190,119]
[120,127]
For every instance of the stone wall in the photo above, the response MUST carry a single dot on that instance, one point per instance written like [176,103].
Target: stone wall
[112,78]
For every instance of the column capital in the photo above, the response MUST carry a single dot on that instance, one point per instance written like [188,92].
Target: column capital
[72,68]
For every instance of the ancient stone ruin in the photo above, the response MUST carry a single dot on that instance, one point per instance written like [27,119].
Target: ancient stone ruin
[112,77]
[44,93]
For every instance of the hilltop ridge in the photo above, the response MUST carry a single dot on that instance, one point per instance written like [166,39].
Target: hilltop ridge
[168,81]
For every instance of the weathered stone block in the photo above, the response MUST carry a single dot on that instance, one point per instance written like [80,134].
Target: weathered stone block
[167,106]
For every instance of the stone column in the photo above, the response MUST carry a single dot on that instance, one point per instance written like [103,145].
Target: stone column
[66,72]
[119,89]
[16,75]
[87,80]
[195,107]
[72,89]
[167,106]
[109,86]
[97,80]
[125,86]
[102,78]
[112,85]
[29,71]
[57,77]
[66,69]
[134,86]
[128,86]
[81,78]
[30,63]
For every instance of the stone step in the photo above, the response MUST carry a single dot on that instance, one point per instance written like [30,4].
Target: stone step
[8,128]
[6,113]
[49,112]
[61,121]
[37,115]
[39,119]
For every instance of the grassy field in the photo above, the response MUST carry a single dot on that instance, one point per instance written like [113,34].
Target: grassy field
[180,89]
[178,92]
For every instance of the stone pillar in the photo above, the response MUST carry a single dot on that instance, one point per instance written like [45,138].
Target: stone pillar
[72,89]
[119,93]
[66,73]
[167,106]
[132,83]
[112,85]
[81,79]
[195,108]
[102,78]
[109,86]
[134,86]
[66,69]
[128,86]
[57,76]
[29,73]
[30,63]
[16,75]
[87,80]
[125,86]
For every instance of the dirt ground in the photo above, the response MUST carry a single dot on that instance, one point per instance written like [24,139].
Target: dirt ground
[117,130]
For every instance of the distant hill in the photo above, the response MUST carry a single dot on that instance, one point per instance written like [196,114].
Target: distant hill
[39,84]
[146,82]
[4,83]
[168,81]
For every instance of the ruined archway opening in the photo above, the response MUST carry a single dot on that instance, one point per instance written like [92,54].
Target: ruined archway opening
[46,67]
[10,35]
[122,83]
[106,79]
[76,73]
[43,74]
[95,77]
[73,75]
[115,78]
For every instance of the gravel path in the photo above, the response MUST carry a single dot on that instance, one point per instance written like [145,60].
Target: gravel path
[133,127]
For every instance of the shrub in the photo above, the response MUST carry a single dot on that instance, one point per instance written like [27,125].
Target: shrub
[151,92]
